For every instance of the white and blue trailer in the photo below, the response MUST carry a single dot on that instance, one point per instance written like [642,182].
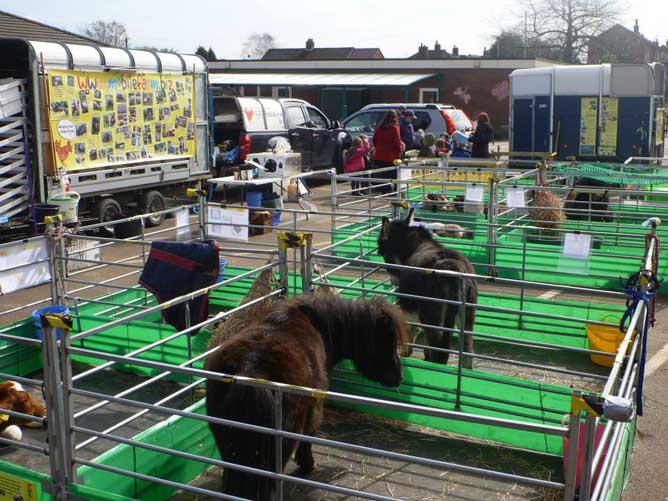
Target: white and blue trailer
[605,112]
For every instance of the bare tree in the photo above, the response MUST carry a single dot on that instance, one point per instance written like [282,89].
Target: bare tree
[569,25]
[107,32]
[511,44]
[257,44]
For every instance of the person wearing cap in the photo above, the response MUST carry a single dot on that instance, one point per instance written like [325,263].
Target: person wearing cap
[407,130]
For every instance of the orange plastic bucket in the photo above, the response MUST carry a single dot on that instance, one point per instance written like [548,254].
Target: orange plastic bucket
[604,338]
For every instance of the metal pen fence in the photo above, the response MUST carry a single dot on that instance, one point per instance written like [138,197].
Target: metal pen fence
[363,277]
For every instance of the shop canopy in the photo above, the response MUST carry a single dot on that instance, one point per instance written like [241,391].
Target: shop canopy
[319,79]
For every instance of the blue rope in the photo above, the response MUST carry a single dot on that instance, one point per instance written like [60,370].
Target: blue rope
[636,297]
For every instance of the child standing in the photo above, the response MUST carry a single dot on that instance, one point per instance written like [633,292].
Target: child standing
[354,160]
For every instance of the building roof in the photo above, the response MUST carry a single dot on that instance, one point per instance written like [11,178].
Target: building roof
[618,28]
[319,79]
[431,54]
[322,53]
[15,26]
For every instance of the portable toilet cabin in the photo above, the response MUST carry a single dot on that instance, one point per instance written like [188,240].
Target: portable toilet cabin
[605,112]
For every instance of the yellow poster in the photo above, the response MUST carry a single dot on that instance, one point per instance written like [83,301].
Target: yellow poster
[660,124]
[16,489]
[99,119]
[607,146]
[588,117]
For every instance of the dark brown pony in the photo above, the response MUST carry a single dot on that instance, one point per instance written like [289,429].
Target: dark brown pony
[401,242]
[298,342]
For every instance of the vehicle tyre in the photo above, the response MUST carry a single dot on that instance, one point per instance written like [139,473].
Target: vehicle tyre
[108,209]
[152,202]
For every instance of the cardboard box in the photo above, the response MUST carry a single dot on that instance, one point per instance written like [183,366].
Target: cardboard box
[260,218]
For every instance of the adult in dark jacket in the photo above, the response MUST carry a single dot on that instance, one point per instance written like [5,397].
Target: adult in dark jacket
[483,135]
[408,130]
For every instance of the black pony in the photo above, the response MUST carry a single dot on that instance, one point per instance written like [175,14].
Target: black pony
[402,243]
[584,206]
[298,342]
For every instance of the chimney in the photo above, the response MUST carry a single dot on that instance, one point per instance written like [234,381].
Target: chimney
[455,51]
[437,46]
[423,51]
[636,28]
[310,44]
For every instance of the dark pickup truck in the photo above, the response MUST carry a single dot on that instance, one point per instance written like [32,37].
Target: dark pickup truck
[245,125]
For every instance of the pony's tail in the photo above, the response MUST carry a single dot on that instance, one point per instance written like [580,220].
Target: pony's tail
[256,450]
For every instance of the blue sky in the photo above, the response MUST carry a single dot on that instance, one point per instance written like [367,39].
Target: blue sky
[397,27]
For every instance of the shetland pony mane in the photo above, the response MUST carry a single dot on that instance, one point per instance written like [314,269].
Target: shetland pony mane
[345,325]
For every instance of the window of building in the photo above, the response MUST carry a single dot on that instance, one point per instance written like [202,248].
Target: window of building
[281,92]
[428,95]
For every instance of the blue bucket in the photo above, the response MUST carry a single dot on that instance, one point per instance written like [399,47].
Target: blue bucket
[37,321]
[222,263]
[276,220]
[254,199]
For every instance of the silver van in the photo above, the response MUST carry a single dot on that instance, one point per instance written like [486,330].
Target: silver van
[428,117]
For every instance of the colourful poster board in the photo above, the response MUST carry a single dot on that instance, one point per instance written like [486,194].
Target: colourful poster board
[607,146]
[660,124]
[14,488]
[99,119]
[588,117]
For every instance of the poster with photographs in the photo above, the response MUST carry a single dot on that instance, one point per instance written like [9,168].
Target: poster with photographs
[98,119]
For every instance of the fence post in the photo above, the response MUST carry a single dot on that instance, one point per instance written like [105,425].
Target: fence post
[53,235]
[462,328]
[201,212]
[57,369]
[572,457]
[588,457]
[278,419]
[307,264]
[333,201]
[295,240]
[491,228]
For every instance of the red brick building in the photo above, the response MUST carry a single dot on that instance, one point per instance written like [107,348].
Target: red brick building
[341,86]
[622,45]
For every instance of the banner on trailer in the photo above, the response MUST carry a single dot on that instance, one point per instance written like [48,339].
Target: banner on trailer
[607,146]
[99,119]
[660,121]
[588,116]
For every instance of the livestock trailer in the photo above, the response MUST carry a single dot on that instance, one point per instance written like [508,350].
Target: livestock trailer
[605,112]
[126,127]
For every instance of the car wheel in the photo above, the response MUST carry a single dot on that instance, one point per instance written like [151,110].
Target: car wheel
[153,202]
[108,210]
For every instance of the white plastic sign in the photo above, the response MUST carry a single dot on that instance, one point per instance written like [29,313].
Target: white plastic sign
[577,245]
[515,198]
[474,193]
[182,225]
[231,224]
[23,264]
[405,174]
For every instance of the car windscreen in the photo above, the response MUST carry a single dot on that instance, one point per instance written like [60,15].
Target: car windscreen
[363,122]
[460,119]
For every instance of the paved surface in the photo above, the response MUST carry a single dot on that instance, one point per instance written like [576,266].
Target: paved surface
[651,444]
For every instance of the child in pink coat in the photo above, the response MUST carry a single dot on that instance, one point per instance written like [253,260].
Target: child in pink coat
[354,160]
